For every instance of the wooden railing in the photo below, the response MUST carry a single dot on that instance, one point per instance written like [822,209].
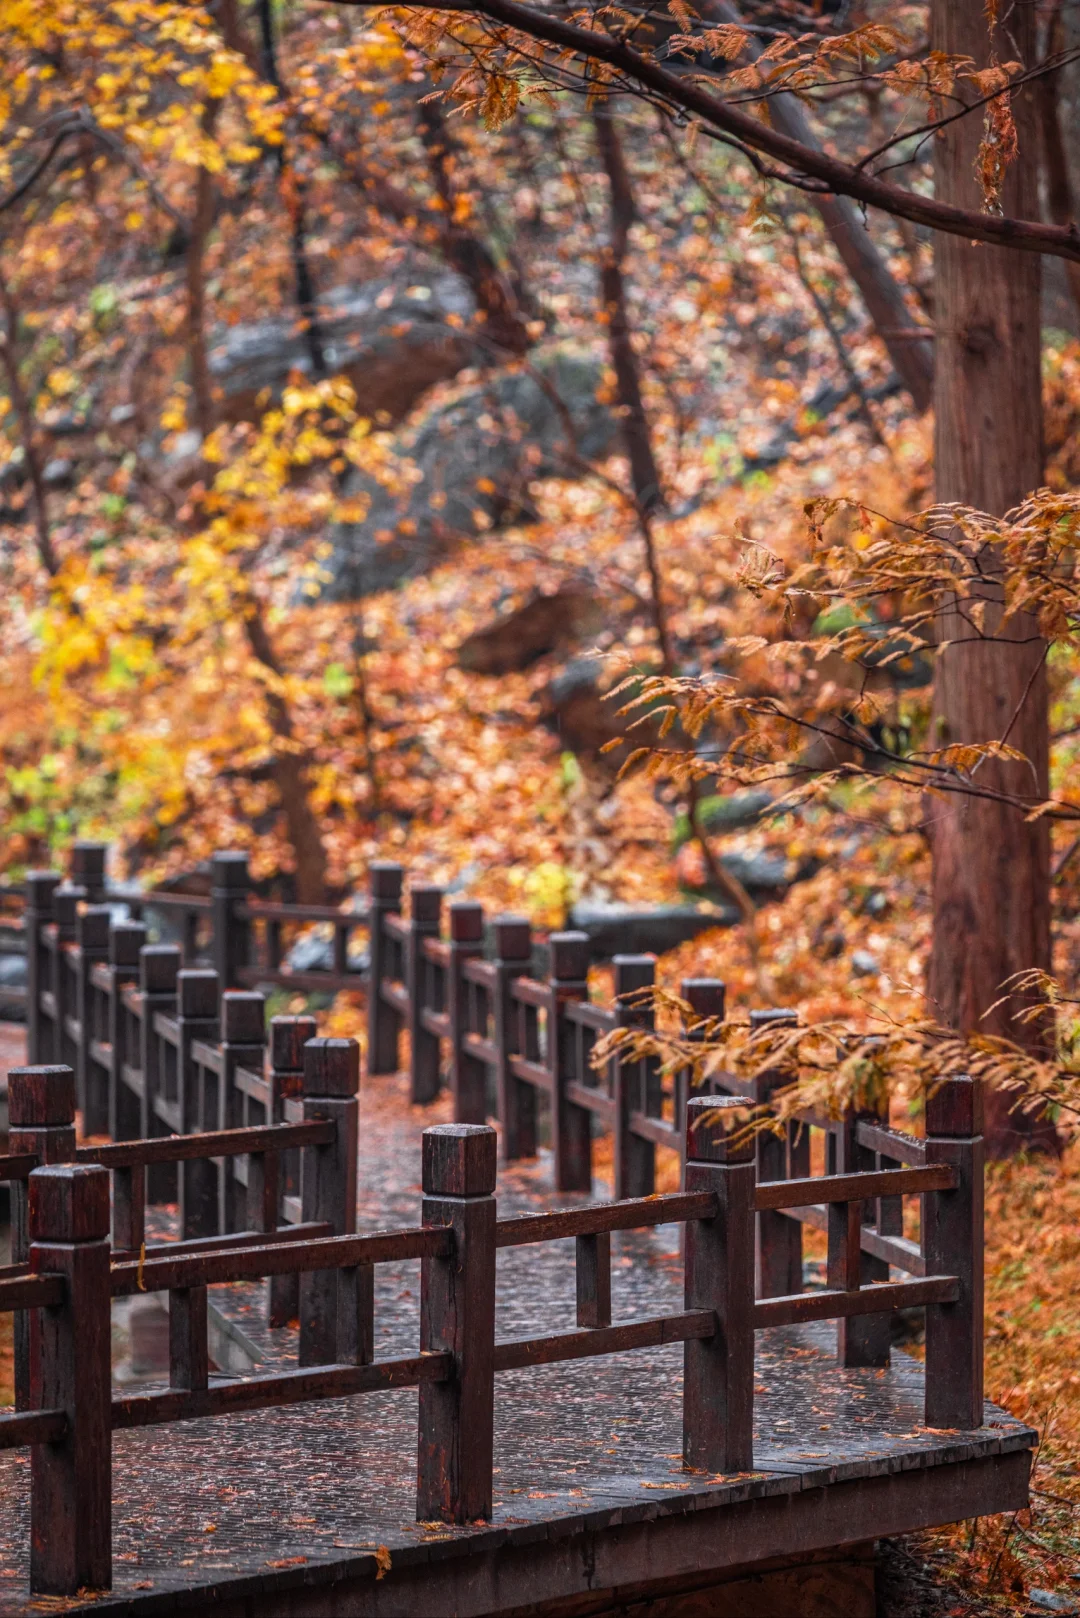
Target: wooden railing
[458,1355]
[290,1176]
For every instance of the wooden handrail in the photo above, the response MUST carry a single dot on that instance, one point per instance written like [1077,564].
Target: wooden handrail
[220,1143]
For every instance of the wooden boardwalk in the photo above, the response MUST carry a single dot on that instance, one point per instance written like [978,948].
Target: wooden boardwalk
[312,1509]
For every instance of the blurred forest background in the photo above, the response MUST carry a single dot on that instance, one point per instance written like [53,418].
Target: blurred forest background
[376,397]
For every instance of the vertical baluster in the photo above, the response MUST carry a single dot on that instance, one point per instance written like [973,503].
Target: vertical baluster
[230,888]
[71,1480]
[41,1119]
[243,1045]
[779,1240]
[41,888]
[328,1185]
[66,901]
[864,1339]
[718,1371]
[91,1080]
[126,939]
[571,1125]
[424,1053]
[129,1208]
[288,1036]
[635,1159]
[706,998]
[384,1021]
[952,1226]
[159,967]
[467,1076]
[197,1019]
[457,1314]
[515,1100]
[593,1274]
[189,1355]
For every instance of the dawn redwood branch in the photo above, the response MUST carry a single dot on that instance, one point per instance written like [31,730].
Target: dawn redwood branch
[844,179]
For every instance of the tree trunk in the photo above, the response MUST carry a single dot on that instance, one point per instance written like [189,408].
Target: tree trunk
[991,871]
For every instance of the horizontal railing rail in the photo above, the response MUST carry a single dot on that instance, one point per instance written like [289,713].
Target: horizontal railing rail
[74,1272]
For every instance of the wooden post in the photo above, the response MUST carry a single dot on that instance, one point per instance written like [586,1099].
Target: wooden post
[953,1245]
[707,999]
[197,1018]
[288,1036]
[92,1081]
[328,1188]
[779,1239]
[189,1356]
[424,1046]
[71,1480]
[126,939]
[718,1374]
[243,1045]
[159,967]
[864,1339]
[515,1101]
[66,902]
[468,1076]
[571,1125]
[41,1119]
[41,886]
[86,868]
[457,1313]
[230,886]
[384,1021]
[635,1159]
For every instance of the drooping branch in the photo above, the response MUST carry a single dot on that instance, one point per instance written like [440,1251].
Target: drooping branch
[800,164]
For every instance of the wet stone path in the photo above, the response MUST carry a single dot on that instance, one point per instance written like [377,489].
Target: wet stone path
[201,1501]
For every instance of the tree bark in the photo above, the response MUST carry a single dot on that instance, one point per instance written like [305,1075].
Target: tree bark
[635,424]
[195,278]
[289,770]
[991,870]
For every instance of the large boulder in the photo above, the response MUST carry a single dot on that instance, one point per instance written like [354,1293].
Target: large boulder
[543,623]
[475,455]
[392,339]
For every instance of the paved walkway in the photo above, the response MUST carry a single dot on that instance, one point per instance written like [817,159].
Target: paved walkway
[200,1501]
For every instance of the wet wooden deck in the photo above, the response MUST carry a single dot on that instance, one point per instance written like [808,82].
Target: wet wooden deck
[311,1509]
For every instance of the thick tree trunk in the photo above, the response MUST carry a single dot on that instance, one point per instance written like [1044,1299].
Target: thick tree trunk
[991,871]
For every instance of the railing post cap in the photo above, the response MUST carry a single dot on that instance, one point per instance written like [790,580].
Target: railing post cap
[243,1017]
[69,1202]
[513,938]
[40,887]
[229,868]
[781,1016]
[711,1121]
[126,939]
[288,1036]
[633,972]
[425,902]
[331,1067]
[92,927]
[466,921]
[386,878]
[569,956]
[955,1107]
[459,1160]
[159,965]
[66,899]
[705,996]
[198,990]
[88,858]
[39,1097]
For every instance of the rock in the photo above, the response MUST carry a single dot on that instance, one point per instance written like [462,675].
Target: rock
[314,952]
[580,712]
[1053,1601]
[865,965]
[58,473]
[120,415]
[540,625]
[392,339]
[722,814]
[623,929]
[476,454]
[761,873]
